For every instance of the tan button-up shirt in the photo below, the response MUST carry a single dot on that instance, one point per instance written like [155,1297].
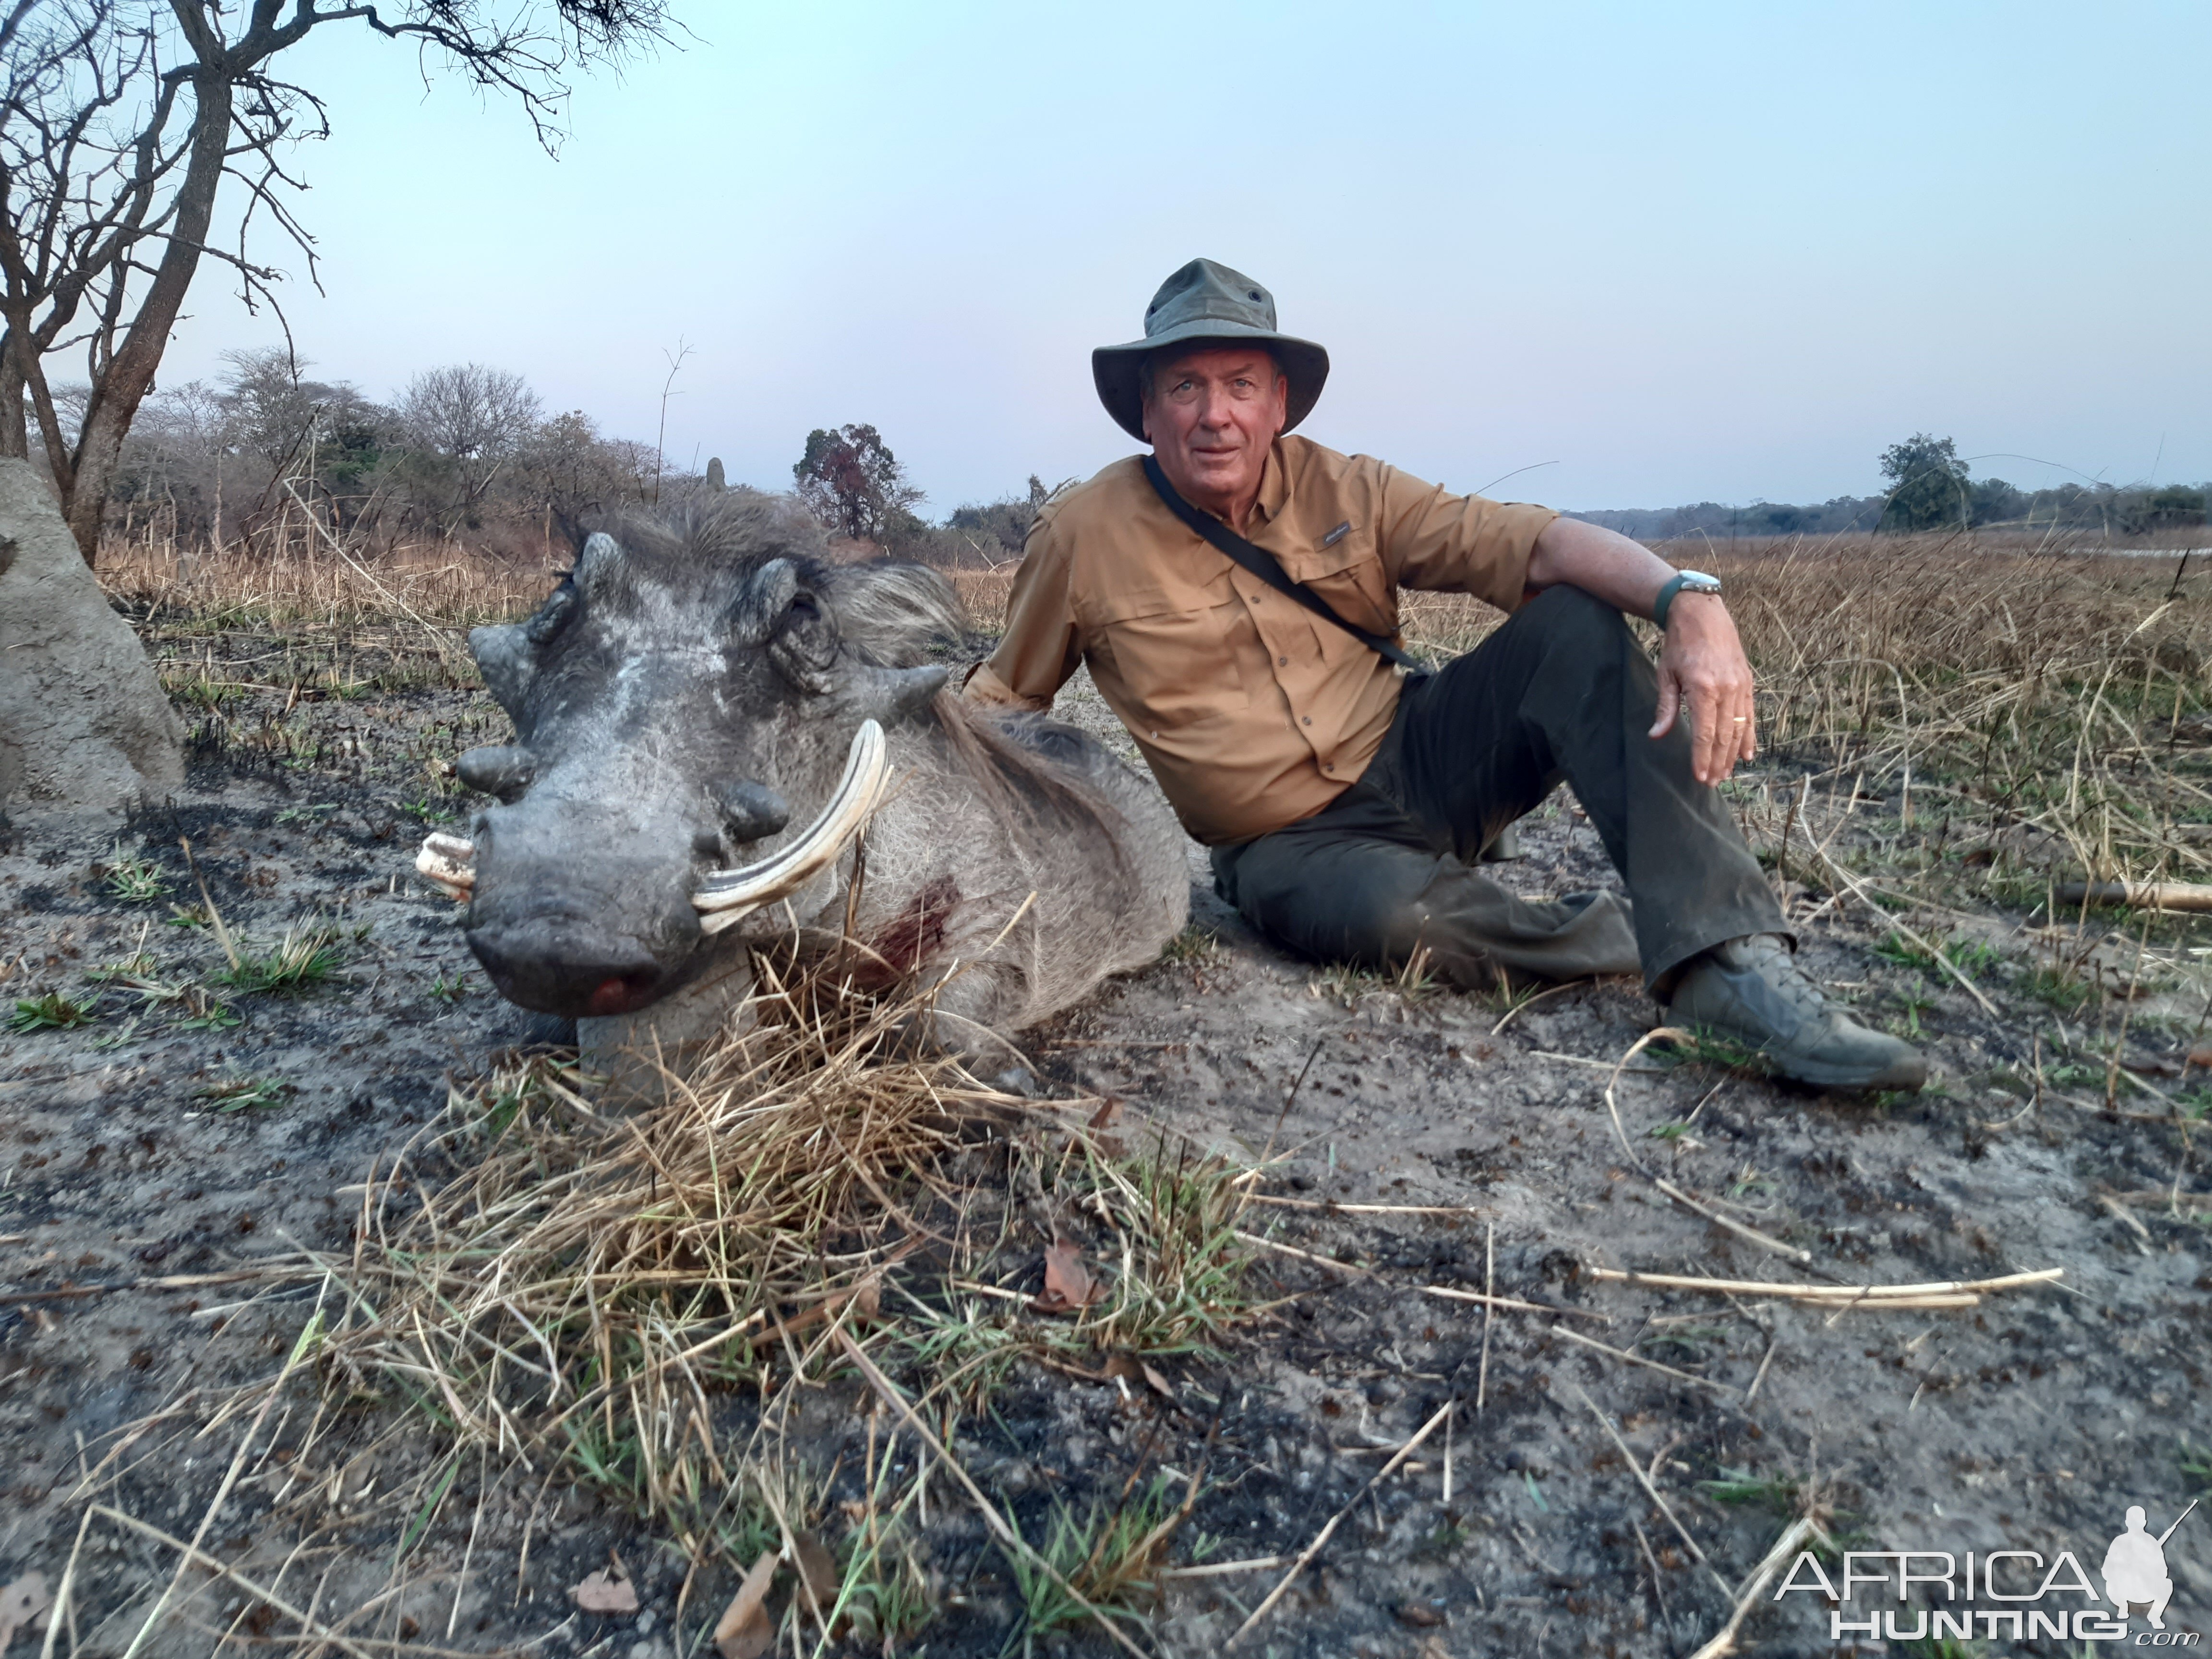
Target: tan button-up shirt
[1253,712]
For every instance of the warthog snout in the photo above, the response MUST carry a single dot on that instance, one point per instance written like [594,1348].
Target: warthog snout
[580,937]
[568,966]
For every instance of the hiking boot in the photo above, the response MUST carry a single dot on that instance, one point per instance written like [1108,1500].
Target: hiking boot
[1752,990]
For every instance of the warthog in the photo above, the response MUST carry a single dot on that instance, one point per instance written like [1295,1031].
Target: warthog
[723,743]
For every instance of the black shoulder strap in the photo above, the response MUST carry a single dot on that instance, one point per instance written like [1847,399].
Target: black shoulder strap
[1263,564]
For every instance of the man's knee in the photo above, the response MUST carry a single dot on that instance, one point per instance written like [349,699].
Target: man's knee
[1570,613]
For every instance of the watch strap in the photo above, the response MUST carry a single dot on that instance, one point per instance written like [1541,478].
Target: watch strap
[1665,602]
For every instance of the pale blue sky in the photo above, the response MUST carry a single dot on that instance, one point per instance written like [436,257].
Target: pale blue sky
[1683,251]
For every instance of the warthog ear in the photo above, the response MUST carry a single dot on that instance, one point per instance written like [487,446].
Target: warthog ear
[506,655]
[507,658]
[888,696]
[601,554]
[504,771]
[755,612]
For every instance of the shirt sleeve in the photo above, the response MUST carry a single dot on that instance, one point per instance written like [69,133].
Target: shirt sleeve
[1433,540]
[1041,646]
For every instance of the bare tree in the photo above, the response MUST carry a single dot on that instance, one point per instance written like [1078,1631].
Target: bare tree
[472,420]
[119,121]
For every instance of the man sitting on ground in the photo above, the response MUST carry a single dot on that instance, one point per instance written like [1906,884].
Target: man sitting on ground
[1235,596]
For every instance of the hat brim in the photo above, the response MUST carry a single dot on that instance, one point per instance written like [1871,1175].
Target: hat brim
[1115,369]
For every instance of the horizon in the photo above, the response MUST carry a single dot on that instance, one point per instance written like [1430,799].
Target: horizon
[1612,260]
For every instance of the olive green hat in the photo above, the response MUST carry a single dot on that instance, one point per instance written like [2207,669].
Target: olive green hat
[1203,301]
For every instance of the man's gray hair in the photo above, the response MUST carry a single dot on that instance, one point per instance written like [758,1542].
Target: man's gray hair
[1151,360]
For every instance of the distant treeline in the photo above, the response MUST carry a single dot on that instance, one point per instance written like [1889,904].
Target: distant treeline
[2100,509]
[1931,488]
[469,453]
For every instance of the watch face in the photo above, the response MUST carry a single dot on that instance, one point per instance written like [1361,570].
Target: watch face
[1696,581]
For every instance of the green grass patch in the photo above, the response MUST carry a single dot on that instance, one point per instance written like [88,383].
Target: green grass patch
[54,1011]
[239,1093]
[308,956]
[135,879]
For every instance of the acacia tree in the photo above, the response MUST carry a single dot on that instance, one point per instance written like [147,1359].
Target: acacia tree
[120,121]
[1928,485]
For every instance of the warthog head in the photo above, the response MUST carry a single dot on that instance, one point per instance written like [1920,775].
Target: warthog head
[689,694]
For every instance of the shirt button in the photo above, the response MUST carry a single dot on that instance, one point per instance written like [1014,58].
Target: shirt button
[1282,662]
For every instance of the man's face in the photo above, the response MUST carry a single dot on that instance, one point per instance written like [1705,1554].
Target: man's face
[1212,413]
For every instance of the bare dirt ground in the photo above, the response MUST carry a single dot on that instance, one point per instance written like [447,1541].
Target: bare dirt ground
[192,1129]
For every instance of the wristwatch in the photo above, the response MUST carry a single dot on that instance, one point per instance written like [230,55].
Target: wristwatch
[1682,581]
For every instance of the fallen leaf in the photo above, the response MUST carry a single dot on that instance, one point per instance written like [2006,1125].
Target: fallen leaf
[600,1592]
[818,1568]
[744,1632]
[1420,1616]
[1127,1368]
[20,1604]
[868,1300]
[2201,1054]
[1109,1111]
[1068,1285]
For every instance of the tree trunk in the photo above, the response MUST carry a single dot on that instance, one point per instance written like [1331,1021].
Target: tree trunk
[117,394]
[14,430]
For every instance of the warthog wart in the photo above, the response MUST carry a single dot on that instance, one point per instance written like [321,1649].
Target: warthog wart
[700,684]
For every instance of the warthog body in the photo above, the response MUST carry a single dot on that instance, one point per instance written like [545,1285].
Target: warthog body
[685,706]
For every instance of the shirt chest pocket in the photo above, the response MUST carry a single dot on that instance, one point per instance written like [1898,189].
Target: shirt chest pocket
[1348,573]
[1175,654]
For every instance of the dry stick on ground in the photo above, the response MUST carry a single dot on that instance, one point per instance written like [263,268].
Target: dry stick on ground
[194,1556]
[1749,1235]
[1222,1569]
[1792,1540]
[1939,958]
[1620,1133]
[1305,1255]
[1007,1537]
[1517,1008]
[1651,1490]
[223,1493]
[1825,1293]
[1489,1290]
[1306,1555]
[1639,1359]
[1329,1206]
[1513,1302]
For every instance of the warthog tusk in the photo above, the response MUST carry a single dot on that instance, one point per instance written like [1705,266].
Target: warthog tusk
[726,897]
[448,863]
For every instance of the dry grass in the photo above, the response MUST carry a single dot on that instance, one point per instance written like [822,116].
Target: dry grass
[544,1286]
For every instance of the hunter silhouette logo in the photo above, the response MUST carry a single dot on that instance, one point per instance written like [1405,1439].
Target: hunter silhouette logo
[2134,1567]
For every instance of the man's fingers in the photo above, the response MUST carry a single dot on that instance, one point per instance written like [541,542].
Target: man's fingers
[1670,702]
[1705,721]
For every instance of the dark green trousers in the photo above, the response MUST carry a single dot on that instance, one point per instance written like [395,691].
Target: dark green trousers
[1560,693]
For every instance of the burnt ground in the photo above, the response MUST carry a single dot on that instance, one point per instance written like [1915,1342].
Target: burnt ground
[179,1135]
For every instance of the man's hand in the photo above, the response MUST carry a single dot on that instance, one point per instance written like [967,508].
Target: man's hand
[1702,665]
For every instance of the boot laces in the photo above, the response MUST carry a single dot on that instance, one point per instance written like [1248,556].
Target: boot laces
[1769,955]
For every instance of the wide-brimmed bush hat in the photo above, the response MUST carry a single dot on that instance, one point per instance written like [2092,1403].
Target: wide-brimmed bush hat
[1206,301]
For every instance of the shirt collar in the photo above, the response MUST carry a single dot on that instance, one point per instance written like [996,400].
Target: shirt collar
[1274,485]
